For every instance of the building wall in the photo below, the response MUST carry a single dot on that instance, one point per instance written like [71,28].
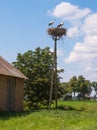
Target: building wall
[11,93]
[19,92]
[3,93]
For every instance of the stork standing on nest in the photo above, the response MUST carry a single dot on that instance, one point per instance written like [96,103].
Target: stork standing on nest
[60,25]
[51,23]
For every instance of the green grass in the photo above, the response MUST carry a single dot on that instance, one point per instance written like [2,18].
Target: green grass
[70,115]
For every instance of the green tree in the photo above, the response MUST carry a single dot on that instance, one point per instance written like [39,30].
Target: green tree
[63,88]
[73,85]
[84,86]
[37,66]
[94,85]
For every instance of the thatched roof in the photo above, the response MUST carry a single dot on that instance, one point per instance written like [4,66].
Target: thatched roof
[9,70]
[57,32]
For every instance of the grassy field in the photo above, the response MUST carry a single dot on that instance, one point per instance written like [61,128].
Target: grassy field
[70,115]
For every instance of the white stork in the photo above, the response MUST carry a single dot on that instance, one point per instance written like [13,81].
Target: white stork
[51,22]
[60,25]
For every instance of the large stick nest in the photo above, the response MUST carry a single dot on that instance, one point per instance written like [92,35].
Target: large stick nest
[57,32]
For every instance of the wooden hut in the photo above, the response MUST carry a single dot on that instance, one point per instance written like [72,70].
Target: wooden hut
[11,87]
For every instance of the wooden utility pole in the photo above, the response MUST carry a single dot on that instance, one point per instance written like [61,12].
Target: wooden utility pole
[56,34]
[55,60]
[54,74]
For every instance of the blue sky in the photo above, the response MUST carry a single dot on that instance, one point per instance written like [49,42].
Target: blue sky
[24,24]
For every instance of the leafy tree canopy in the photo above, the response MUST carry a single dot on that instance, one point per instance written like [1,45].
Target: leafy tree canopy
[37,66]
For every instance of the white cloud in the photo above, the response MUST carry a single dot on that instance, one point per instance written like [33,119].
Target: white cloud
[73,57]
[83,25]
[90,42]
[83,52]
[72,13]
[86,51]
[67,11]
[79,48]
[90,25]
[72,32]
